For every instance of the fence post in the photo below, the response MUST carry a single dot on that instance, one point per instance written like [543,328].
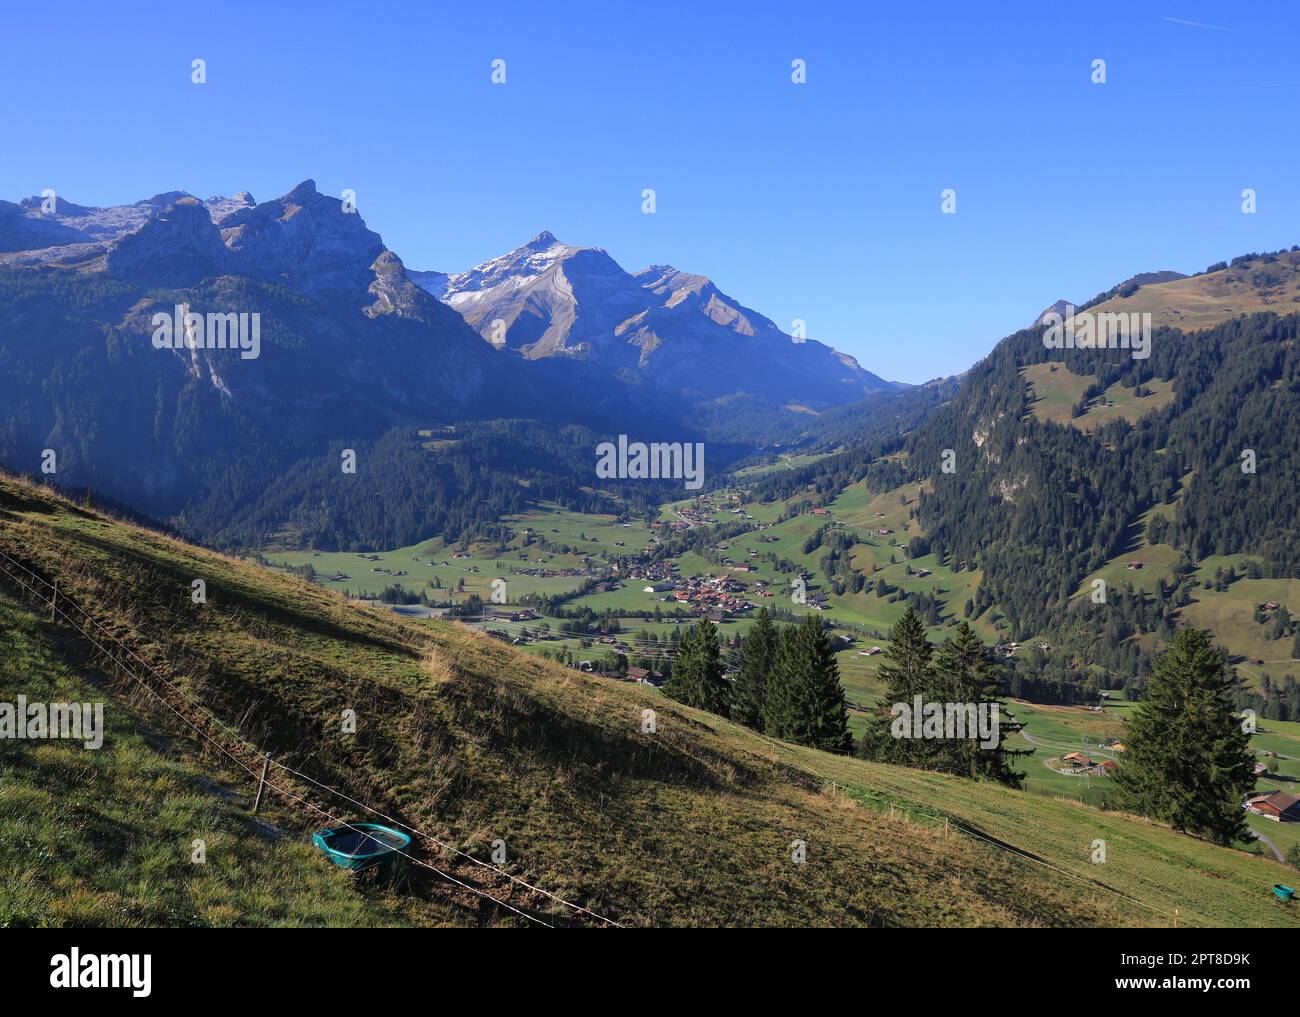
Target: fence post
[261,784]
[54,599]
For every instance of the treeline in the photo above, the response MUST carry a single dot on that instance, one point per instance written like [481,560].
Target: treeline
[786,684]
[960,676]
[402,492]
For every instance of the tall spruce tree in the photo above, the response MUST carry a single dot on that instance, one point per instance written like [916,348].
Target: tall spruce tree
[757,661]
[819,717]
[1188,761]
[779,716]
[697,678]
[905,673]
[963,675]
[714,688]
[680,678]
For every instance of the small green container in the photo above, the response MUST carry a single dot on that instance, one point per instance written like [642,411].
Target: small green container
[360,845]
[1283,891]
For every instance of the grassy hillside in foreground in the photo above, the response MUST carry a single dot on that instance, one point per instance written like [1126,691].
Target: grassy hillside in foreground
[108,837]
[471,741]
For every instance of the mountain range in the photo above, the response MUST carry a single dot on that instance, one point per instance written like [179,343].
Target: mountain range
[352,348]
[551,299]
[674,330]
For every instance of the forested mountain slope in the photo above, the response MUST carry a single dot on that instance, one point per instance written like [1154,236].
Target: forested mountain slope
[1049,466]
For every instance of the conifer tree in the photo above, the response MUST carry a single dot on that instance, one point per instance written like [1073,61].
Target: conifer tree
[757,661]
[820,719]
[804,700]
[963,674]
[680,678]
[779,703]
[697,678]
[714,688]
[905,673]
[1188,761]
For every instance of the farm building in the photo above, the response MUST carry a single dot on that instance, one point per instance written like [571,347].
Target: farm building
[644,676]
[1277,805]
[1077,759]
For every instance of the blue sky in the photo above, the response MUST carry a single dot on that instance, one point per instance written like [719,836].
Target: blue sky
[817,201]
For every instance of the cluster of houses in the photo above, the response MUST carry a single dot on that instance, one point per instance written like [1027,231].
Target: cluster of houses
[656,574]
[543,573]
[702,513]
[716,597]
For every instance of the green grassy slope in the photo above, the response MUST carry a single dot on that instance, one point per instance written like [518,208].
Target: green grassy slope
[1055,389]
[1203,301]
[107,837]
[469,740]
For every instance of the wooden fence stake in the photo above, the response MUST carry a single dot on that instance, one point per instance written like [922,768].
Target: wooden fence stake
[54,599]
[261,784]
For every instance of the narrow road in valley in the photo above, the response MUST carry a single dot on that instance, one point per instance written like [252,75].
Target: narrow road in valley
[1270,845]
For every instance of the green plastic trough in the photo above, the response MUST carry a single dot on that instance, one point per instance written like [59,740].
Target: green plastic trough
[1283,891]
[360,845]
